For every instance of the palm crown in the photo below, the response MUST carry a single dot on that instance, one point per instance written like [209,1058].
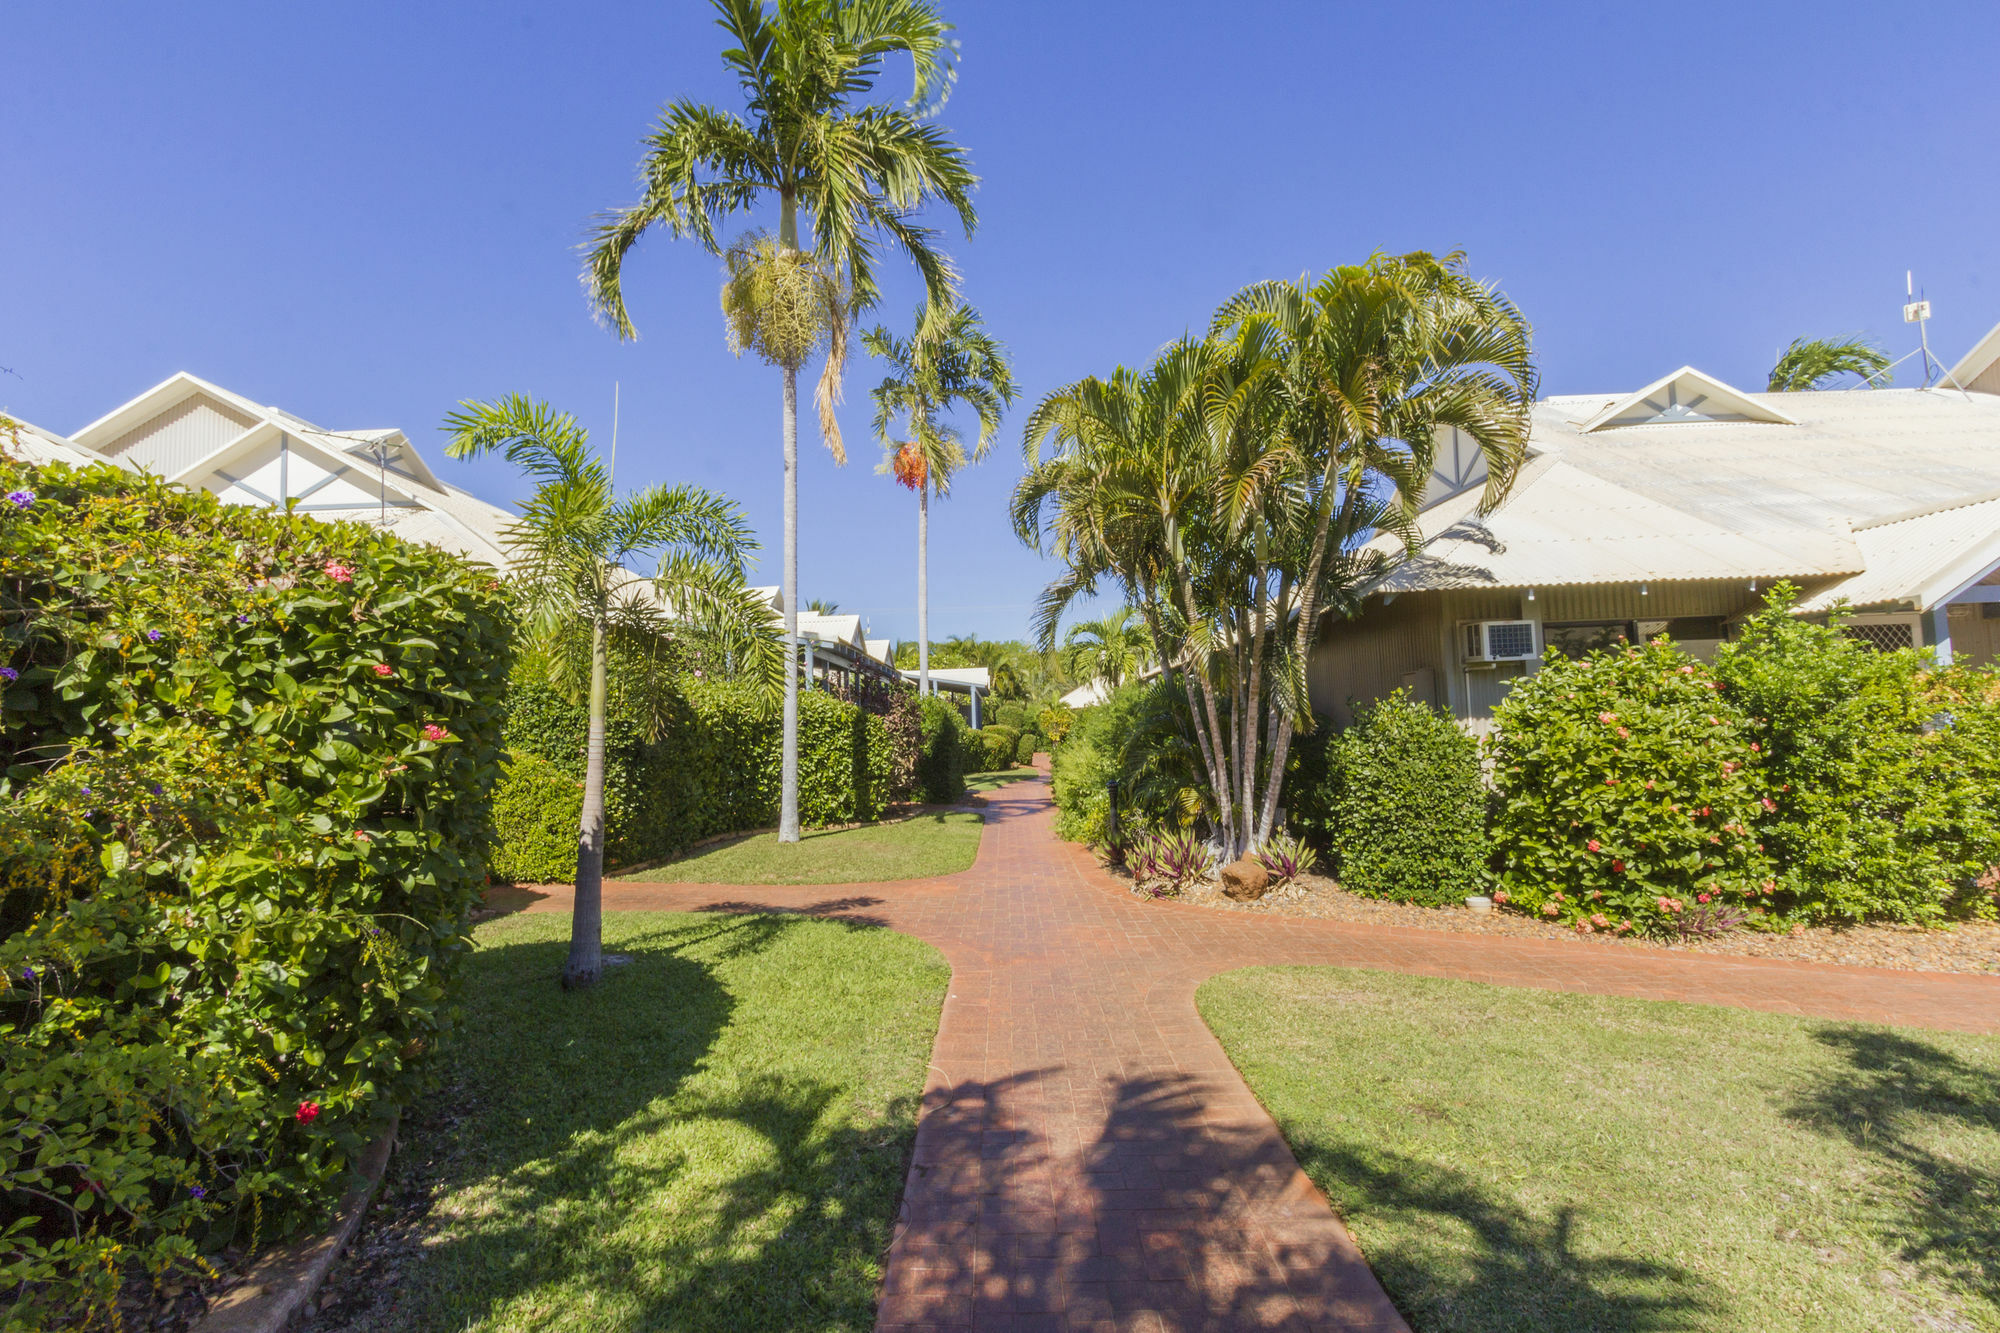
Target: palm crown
[578,546]
[860,172]
[947,362]
[1811,363]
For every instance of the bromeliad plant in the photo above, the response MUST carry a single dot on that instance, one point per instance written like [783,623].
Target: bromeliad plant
[1166,862]
[1285,857]
[1627,794]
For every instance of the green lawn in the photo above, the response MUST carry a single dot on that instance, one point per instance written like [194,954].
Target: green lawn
[1519,1159]
[714,1138]
[915,848]
[984,782]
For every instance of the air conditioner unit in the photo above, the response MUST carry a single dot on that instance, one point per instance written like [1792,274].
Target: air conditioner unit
[1500,641]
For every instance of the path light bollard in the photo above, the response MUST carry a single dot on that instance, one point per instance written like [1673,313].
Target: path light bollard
[1111,840]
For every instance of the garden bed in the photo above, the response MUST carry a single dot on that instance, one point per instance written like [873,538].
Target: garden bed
[1970,946]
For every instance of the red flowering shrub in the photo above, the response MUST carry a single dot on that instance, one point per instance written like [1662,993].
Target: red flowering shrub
[234,877]
[1627,792]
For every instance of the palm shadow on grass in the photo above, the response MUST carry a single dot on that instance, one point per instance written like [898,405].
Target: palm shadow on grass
[1524,1274]
[1893,1100]
[610,1167]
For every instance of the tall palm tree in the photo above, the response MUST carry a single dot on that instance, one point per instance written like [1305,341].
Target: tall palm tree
[1811,363]
[1111,648]
[574,552]
[810,140]
[947,362]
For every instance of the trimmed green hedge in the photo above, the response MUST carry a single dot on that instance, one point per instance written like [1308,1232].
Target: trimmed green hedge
[1024,753]
[248,759]
[536,808]
[1407,808]
[713,768]
[947,739]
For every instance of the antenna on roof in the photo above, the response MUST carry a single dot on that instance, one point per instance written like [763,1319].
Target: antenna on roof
[1918,312]
[612,472]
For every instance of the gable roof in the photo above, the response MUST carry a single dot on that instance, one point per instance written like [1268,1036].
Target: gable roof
[1687,395]
[1979,369]
[1855,491]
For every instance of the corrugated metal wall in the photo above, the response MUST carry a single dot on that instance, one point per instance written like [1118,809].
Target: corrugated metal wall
[182,435]
[1366,658]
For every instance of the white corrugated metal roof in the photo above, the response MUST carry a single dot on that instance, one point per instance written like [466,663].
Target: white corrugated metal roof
[1731,499]
[1919,560]
[32,444]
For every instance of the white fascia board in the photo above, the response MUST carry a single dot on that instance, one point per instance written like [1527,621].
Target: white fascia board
[1975,362]
[252,437]
[1714,385]
[167,393]
[1964,570]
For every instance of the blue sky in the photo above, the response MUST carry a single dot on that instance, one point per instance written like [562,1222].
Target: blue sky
[366,212]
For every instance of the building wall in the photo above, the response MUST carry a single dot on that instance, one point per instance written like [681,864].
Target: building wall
[1384,648]
[179,437]
[1416,641]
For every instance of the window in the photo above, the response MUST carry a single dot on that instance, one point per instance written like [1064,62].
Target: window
[1578,638]
[1695,629]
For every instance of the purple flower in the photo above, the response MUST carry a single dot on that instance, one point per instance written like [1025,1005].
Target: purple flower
[9,675]
[154,636]
[158,790]
[28,975]
[21,499]
[197,1191]
[242,620]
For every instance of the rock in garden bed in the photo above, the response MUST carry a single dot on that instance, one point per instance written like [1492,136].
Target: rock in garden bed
[1971,946]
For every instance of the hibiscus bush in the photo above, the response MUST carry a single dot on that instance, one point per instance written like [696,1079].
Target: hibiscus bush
[1627,793]
[1886,770]
[243,820]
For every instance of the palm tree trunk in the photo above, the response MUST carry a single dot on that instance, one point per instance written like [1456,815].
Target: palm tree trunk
[923,589]
[788,780]
[586,927]
[788,788]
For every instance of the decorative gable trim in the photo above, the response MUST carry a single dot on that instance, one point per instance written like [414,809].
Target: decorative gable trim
[1685,395]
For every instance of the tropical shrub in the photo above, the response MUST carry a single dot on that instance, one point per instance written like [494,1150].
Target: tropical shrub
[1884,773]
[1030,745]
[1055,722]
[1285,857]
[1400,804]
[997,746]
[941,762]
[1627,793]
[248,758]
[708,763]
[536,810]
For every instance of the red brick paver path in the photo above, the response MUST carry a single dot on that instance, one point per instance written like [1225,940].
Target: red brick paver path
[1087,1158]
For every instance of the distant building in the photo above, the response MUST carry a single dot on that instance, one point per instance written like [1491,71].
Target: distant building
[202,435]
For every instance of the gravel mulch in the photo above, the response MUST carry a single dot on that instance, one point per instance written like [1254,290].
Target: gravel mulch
[1970,946]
